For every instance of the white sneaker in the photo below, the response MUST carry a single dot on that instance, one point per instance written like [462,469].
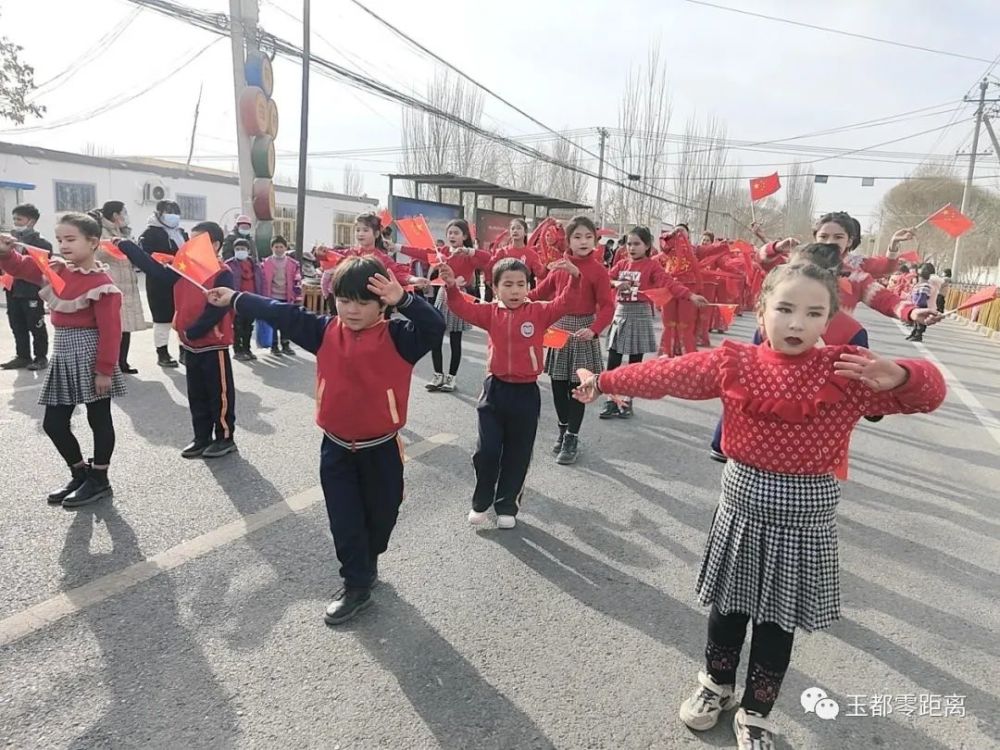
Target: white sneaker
[449,384]
[753,731]
[436,382]
[476,518]
[701,711]
[506,522]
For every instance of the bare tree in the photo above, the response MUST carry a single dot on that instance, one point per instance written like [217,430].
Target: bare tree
[798,211]
[353,181]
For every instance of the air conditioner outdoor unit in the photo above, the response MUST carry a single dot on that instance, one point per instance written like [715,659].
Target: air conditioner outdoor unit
[154,191]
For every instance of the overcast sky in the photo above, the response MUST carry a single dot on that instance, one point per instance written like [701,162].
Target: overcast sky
[563,61]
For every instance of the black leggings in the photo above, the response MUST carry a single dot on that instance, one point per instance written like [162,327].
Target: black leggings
[57,426]
[770,654]
[568,409]
[437,356]
[615,359]
[123,350]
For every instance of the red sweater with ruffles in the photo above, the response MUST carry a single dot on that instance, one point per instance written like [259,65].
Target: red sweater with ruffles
[89,300]
[594,295]
[780,413]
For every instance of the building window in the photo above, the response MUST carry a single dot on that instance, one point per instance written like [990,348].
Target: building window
[193,207]
[284,222]
[343,229]
[75,196]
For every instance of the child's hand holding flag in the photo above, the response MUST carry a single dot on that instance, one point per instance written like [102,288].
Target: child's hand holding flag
[221,296]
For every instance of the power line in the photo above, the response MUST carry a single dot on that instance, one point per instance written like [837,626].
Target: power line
[841,32]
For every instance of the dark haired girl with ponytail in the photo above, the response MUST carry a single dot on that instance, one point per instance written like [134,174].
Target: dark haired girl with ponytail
[86,315]
[462,257]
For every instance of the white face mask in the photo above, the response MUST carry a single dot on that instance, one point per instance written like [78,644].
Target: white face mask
[171,220]
[245,231]
[242,255]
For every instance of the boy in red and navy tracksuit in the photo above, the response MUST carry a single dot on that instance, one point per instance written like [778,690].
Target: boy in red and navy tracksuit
[364,364]
[510,403]
[205,333]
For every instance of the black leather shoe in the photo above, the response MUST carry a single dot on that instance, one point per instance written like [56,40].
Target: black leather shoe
[95,487]
[195,448]
[219,448]
[79,474]
[346,604]
[127,369]
[557,448]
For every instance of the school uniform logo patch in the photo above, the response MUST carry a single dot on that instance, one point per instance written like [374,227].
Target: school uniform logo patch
[527,329]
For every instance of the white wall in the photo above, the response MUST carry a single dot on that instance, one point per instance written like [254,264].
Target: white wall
[222,199]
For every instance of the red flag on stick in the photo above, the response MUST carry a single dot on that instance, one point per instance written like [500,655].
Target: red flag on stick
[385,217]
[761,187]
[951,221]
[330,260]
[555,338]
[657,295]
[196,260]
[416,232]
[910,257]
[112,249]
[727,313]
[6,281]
[165,259]
[41,258]
[979,298]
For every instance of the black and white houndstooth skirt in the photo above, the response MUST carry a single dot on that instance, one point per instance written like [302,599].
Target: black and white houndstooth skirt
[772,549]
[631,330]
[562,364]
[70,378]
[453,323]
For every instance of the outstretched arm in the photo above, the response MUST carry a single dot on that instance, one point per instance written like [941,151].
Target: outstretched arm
[145,263]
[303,327]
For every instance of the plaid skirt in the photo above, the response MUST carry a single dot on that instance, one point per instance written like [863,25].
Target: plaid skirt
[453,323]
[631,330]
[772,549]
[562,364]
[70,377]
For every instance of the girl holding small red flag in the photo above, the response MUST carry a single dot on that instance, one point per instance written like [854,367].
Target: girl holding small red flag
[86,315]
[592,306]
[462,257]
[631,334]
[789,408]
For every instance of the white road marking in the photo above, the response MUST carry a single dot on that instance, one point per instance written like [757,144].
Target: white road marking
[990,423]
[62,605]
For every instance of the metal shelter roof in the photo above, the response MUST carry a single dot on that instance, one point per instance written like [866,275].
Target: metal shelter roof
[451,181]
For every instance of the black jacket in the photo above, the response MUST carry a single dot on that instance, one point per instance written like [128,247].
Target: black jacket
[159,294]
[22,289]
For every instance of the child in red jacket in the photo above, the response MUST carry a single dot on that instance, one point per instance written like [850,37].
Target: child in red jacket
[510,402]
[364,364]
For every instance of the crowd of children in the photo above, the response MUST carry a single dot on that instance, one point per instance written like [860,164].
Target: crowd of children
[789,403]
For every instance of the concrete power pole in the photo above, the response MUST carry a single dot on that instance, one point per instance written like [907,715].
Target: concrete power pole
[598,207]
[300,205]
[972,169]
[243,16]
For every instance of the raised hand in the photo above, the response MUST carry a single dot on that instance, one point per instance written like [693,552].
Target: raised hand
[221,296]
[447,274]
[388,289]
[901,235]
[563,264]
[7,245]
[787,245]
[878,373]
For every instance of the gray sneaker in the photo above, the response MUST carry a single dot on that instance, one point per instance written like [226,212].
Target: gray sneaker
[753,731]
[702,710]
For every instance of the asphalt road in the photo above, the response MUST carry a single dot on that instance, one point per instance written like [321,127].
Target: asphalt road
[188,612]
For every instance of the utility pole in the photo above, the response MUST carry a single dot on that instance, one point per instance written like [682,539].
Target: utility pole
[983,85]
[243,35]
[598,208]
[300,206]
[194,127]
[708,205]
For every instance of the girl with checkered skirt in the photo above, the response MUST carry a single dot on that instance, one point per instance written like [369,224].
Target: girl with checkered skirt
[86,315]
[631,332]
[789,407]
[590,312]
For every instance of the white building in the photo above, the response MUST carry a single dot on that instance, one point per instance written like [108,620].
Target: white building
[58,181]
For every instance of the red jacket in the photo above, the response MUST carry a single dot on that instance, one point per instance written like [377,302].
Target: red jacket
[196,332]
[514,350]
[645,273]
[465,262]
[593,296]
[524,254]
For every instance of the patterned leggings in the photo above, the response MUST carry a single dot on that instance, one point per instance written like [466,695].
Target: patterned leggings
[770,653]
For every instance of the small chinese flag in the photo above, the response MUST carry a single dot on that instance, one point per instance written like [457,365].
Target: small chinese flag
[330,260]
[165,259]
[385,217]
[726,313]
[761,187]
[555,338]
[196,260]
[911,256]
[979,298]
[112,249]
[951,221]
[657,295]
[416,232]
[6,281]
[41,258]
